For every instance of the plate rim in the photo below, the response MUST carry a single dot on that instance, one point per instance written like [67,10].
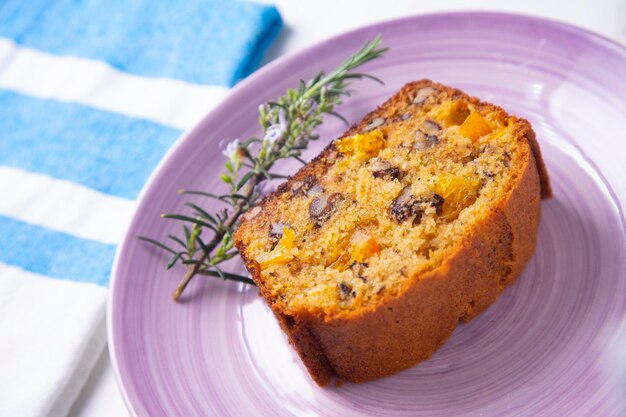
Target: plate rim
[555,24]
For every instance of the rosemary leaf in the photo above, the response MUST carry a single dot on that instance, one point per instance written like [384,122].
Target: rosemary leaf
[201,212]
[228,276]
[302,161]
[202,193]
[171,263]
[244,180]
[157,243]
[275,176]
[177,240]
[189,219]
[338,116]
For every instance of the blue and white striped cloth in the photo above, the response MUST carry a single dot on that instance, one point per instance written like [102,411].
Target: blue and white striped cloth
[92,94]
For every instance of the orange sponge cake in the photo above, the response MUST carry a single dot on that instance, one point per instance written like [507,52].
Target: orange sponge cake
[414,219]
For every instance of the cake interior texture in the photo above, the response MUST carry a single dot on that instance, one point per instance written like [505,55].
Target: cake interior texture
[385,204]
[394,202]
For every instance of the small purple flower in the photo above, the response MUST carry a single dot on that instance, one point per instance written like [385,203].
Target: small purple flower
[232,149]
[276,131]
[273,133]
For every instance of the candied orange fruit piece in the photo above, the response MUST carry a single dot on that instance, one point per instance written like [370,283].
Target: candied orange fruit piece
[366,249]
[282,252]
[474,127]
[362,246]
[457,113]
[458,193]
[362,144]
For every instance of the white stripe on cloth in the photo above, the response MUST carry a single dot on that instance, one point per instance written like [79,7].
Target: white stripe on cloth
[63,206]
[93,83]
[54,346]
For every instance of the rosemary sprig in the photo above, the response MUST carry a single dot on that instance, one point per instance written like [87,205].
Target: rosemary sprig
[288,126]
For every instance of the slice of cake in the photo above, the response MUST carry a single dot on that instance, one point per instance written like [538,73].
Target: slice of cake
[414,219]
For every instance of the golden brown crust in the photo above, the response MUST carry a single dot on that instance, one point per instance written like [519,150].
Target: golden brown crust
[544,179]
[404,329]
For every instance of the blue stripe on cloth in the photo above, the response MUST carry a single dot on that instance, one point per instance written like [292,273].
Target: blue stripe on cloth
[54,254]
[108,152]
[215,42]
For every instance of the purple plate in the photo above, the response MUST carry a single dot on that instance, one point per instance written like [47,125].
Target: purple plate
[541,349]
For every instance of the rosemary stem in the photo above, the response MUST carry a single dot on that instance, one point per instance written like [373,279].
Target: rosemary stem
[192,270]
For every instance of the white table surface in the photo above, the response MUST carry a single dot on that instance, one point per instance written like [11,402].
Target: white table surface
[310,21]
